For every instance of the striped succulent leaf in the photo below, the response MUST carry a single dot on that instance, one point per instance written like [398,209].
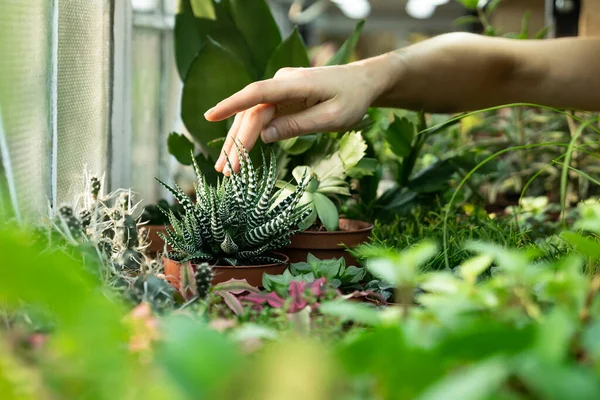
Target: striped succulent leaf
[234,221]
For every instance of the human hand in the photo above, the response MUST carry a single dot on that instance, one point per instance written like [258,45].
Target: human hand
[296,101]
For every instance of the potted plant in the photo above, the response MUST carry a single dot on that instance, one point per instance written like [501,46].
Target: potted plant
[325,234]
[234,225]
[155,221]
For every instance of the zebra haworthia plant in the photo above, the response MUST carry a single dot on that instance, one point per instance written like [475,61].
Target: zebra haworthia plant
[238,221]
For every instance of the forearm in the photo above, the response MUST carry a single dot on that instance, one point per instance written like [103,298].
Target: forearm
[464,72]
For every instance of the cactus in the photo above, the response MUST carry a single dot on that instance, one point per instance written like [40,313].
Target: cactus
[112,229]
[203,277]
[238,221]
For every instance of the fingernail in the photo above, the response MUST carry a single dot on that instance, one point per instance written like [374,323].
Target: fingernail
[226,170]
[220,162]
[206,114]
[269,134]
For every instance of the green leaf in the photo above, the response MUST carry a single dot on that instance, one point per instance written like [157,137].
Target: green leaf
[191,34]
[352,311]
[470,4]
[180,147]
[329,269]
[472,383]
[542,33]
[556,381]
[214,75]
[183,340]
[255,22]
[342,56]
[434,178]
[299,144]
[400,136]
[353,148]
[472,268]
[302,172]
[525,25]
[466,20]
[203,9]
[327,211]
[584,245]
[353,274]
[365,167]
[491,6]
[188,37]
[290,53]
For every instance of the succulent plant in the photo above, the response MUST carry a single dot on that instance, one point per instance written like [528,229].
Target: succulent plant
[326,179]
[106,222]
[238,221]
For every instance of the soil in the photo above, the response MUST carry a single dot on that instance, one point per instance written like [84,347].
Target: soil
[317,227]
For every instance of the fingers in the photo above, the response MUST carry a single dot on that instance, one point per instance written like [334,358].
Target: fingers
[320,118]
[247,133]
[222,161]
[271,91]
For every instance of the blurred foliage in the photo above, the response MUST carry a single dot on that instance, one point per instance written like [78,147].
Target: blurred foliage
[501,324]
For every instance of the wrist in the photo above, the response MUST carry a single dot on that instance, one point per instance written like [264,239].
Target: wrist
[384,74]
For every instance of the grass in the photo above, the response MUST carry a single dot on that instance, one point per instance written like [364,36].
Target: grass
[467,224]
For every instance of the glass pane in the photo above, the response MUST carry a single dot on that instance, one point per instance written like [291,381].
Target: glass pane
[147,136]
[144,5]
[170,6]
[24,108]
[83,91]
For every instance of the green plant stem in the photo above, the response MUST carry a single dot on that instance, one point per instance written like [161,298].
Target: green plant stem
[468,114]
[470,173]
[189,302]
[565,171]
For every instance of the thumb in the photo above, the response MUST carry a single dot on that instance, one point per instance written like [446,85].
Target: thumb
[321,117]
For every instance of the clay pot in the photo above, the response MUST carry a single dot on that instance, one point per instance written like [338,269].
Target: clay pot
[156,244]
[326,245]
[253,274]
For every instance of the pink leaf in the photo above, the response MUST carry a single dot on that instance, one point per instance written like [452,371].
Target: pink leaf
[236,286]
[367,295]
[297,295]
[232,302]
[317,286]
[270,298]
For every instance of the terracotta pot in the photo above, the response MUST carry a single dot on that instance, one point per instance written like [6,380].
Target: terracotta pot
[156,244]
[325,245]
[253,274]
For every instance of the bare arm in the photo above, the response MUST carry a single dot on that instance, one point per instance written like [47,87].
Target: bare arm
[450,73]
[464,72]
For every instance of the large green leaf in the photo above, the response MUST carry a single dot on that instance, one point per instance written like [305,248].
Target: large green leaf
[400,136]
[472,383]
[342,56]
[187,36]
[327,211]
[196,356]
[191,32]
[290,53]
[204,9]
[91,337]
[586,246]
[180,147]
[434,178]
[214,75]
[255,22]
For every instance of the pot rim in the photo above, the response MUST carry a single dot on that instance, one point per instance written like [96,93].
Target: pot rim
[362,230]
[286,261]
